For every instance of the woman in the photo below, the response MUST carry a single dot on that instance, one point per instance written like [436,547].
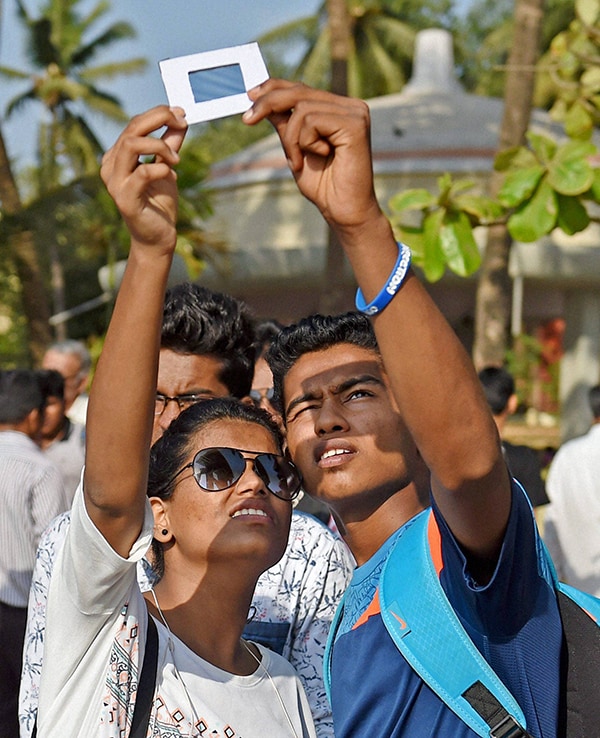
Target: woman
[219,510]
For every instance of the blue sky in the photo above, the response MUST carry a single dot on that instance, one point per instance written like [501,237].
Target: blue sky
[165,28]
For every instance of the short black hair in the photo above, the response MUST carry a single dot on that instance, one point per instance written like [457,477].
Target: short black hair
[53,383]
[198,321]
[594,400]
[266,330]
[171,450]
[20,392]
[498,387]
[315,333]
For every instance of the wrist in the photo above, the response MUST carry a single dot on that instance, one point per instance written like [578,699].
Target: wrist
[372,229]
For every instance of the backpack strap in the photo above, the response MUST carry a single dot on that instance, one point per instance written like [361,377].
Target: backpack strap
[146,684]
[428,633]
[579,615]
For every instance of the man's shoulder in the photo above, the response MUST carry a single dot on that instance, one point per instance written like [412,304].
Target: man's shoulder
[22,449]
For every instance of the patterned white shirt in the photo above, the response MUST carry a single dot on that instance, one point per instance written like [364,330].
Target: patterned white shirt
[293,606]
[96,631]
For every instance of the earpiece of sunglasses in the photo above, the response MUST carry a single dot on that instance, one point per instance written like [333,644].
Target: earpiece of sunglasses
[219,468]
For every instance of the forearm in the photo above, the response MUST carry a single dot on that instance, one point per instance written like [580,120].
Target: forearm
[436,388]
[119,424]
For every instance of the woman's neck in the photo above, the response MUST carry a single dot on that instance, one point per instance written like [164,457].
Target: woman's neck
[209,615]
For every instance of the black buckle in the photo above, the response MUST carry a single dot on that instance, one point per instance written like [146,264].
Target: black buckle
[508,727]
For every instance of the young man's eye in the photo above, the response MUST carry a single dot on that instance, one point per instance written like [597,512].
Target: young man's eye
[358,394]
[298,411]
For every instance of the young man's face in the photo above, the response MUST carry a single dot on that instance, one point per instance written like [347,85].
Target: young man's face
[344,430]
[181,375]
[54,417]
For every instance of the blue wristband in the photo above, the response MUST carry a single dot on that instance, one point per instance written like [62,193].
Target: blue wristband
[395,281]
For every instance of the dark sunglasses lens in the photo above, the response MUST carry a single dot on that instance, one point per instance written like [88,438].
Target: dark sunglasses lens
[218,468]
[280,477]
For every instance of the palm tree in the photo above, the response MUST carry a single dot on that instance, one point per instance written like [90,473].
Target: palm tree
[61,46]
[379,54]
[22,252]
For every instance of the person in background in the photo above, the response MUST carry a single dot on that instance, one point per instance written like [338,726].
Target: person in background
[523,461]
[572,520]
[32,493]
[72,359]
[63,440]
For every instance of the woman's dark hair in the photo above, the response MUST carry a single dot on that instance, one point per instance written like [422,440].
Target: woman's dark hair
[315,333]
[173,448]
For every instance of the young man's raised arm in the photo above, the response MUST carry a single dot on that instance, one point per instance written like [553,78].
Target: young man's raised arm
[326,139]
[119,424]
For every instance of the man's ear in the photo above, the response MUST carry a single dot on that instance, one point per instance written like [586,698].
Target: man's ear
[32,424]
[512,404]
[162,530]
[81,387]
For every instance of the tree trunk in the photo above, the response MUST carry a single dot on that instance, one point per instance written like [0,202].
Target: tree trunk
[492,312]
[331,300]
[24,254]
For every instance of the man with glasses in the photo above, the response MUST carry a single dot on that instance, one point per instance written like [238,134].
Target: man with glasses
[207,351]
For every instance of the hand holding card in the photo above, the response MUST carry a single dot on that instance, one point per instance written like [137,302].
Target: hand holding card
[213,84]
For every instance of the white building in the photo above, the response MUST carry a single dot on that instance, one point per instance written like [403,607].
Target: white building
[277,240]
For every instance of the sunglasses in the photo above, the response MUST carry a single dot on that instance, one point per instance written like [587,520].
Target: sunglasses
[266,393]
[219,468]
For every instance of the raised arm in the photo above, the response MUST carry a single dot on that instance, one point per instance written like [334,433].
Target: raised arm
[327,142]
[119,423]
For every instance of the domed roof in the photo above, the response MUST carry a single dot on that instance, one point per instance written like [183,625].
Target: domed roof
[432,125]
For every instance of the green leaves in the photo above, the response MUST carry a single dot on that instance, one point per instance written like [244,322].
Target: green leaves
[443,236]
[536,216]
[545,185]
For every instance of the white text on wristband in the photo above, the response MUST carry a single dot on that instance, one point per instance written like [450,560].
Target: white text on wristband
[393,284]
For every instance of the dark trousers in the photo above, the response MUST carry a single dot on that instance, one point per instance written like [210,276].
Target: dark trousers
[12,634]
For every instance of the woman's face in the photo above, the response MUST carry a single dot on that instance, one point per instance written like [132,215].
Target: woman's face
[243,523]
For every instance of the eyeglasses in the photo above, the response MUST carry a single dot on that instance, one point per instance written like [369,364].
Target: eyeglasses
[183,401]
[218,468]
[262,393]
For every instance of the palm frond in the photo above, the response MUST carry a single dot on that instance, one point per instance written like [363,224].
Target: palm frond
[97,12]
[16,103]
[105,104]
[107,71]
[117,32]
[315,68]
[293,32]
[11,73]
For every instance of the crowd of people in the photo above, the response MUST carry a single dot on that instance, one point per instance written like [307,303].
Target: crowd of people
[311,530]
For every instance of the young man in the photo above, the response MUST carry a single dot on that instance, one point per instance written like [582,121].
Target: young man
[207,350]
[363,411]
[31,494]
